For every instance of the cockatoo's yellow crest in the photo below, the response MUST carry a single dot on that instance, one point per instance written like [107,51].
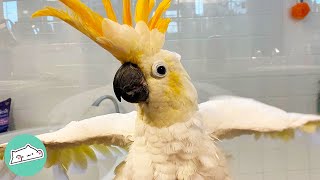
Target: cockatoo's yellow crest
[126,43]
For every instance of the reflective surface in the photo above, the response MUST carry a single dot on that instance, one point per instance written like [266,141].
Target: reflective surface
[249,48]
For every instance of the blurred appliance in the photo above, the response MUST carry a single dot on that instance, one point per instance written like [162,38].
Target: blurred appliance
[7,35]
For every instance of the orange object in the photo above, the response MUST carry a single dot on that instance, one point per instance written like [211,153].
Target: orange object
[300,10]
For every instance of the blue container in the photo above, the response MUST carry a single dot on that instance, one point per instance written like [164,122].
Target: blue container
[4,115]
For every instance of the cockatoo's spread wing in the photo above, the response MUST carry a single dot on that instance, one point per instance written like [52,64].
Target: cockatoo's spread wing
[227,117]
[82,141]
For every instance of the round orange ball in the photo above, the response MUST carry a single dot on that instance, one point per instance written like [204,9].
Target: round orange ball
[300,10]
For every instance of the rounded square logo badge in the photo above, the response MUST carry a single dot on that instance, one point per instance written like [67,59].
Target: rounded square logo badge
[25,155]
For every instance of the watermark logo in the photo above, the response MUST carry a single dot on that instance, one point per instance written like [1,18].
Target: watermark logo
[25,155]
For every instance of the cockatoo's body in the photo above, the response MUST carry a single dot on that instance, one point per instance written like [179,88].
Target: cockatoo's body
[180,151]
[170,136]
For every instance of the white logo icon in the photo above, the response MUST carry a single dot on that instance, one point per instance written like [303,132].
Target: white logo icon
[25,154]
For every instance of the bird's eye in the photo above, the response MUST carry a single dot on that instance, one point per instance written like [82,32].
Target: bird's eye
[159,69]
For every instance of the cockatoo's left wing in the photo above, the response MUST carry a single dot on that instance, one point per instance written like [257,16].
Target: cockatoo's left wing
[81,142]
[228,116]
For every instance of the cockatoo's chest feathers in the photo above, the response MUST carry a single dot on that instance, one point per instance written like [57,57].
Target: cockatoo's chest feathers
[180,151]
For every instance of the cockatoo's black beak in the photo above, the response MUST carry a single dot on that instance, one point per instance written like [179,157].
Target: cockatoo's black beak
[130,84]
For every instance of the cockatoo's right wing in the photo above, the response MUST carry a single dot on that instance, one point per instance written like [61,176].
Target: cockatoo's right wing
[82,141]
[228,116]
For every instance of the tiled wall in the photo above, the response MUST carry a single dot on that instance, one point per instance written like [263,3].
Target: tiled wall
[268,159]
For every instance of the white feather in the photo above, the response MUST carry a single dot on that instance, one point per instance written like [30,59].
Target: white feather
[229,112]
[110,124]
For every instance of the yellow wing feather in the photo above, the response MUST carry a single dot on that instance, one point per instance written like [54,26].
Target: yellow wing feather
[289,134]
[89,153]
[285,134]
[77,154]
[1,154]
[79,157]
[65,162]
[109,10]
[52,157]
[102,149]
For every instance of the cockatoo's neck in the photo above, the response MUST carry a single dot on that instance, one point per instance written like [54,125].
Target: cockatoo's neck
[163,115]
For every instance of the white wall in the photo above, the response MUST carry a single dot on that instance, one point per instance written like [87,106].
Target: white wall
[260,53]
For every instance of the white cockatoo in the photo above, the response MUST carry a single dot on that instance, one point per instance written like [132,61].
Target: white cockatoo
[170,136]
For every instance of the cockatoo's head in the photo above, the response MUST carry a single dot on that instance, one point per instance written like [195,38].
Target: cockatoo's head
[150,76]
[153,77]
[161,87]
